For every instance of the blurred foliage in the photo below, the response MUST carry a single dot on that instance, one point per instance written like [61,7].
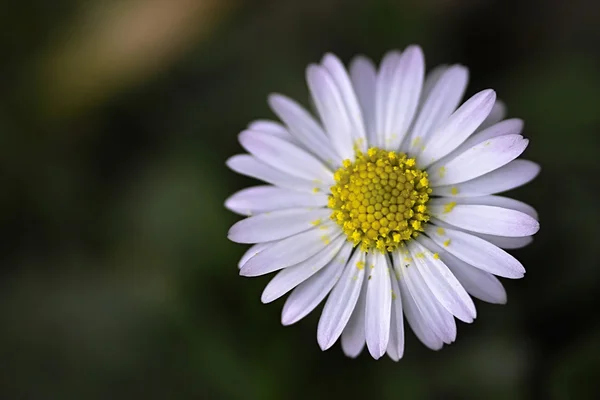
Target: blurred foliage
[116,118]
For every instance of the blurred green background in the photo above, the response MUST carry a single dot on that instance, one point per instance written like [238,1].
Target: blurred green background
[116,118]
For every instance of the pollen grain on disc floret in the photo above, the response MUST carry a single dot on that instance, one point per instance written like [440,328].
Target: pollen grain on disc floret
[380,199]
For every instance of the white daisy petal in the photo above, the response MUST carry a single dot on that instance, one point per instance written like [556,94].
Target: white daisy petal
[252,251]
[442,100]
[415,318]
[277,225]
[441,324]
[353,336]
[291,250]
[441,316]
[501,201]
[332,110]
[307,296]
[395,348]
[431,80]
[497,114]
[500,241]
[259,199]
[512,126]
[404,96]
[285,156]
[458,127]
[379,304]
[272,127]
[364,75]
[477,283]
[434,315]
[248,165]
[442,283]
[477,252]
[484,219]
[340,76]
[383,92]
[479,160]
[341,302]
[514,174]
[303,127]
[290,277]
[507,242]
[496,201]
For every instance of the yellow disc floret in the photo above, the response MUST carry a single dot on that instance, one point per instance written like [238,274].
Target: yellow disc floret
[380,199]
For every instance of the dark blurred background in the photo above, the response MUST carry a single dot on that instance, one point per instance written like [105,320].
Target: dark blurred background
[116,118]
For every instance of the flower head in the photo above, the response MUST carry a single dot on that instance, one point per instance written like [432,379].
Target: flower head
[386,203]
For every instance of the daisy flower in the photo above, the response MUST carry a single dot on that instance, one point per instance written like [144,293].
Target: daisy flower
[384,202]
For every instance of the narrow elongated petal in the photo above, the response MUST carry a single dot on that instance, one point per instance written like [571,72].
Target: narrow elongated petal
[500,241]
[353,336]
[458,127]
[285,156]
[291,250]
[271,127]
[307,296]
[252,251]
[248,165]
[267,198]
[414,316]
[441,102]
[303,127]
[514,174]
[477,283]
[340,76]
[277,225]
[435,317]
[396,344]
[486,219]
[379,304]
[341,302]
[431,80]
[404,95]
[479,160]
[332,110]
[383,94]
[364,75]
[507,242]
[477,252]
[513,126]
[290,277]
[442,283]
[496,201]
[497,114]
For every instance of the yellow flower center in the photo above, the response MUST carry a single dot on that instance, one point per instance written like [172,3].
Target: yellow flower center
[380,199]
